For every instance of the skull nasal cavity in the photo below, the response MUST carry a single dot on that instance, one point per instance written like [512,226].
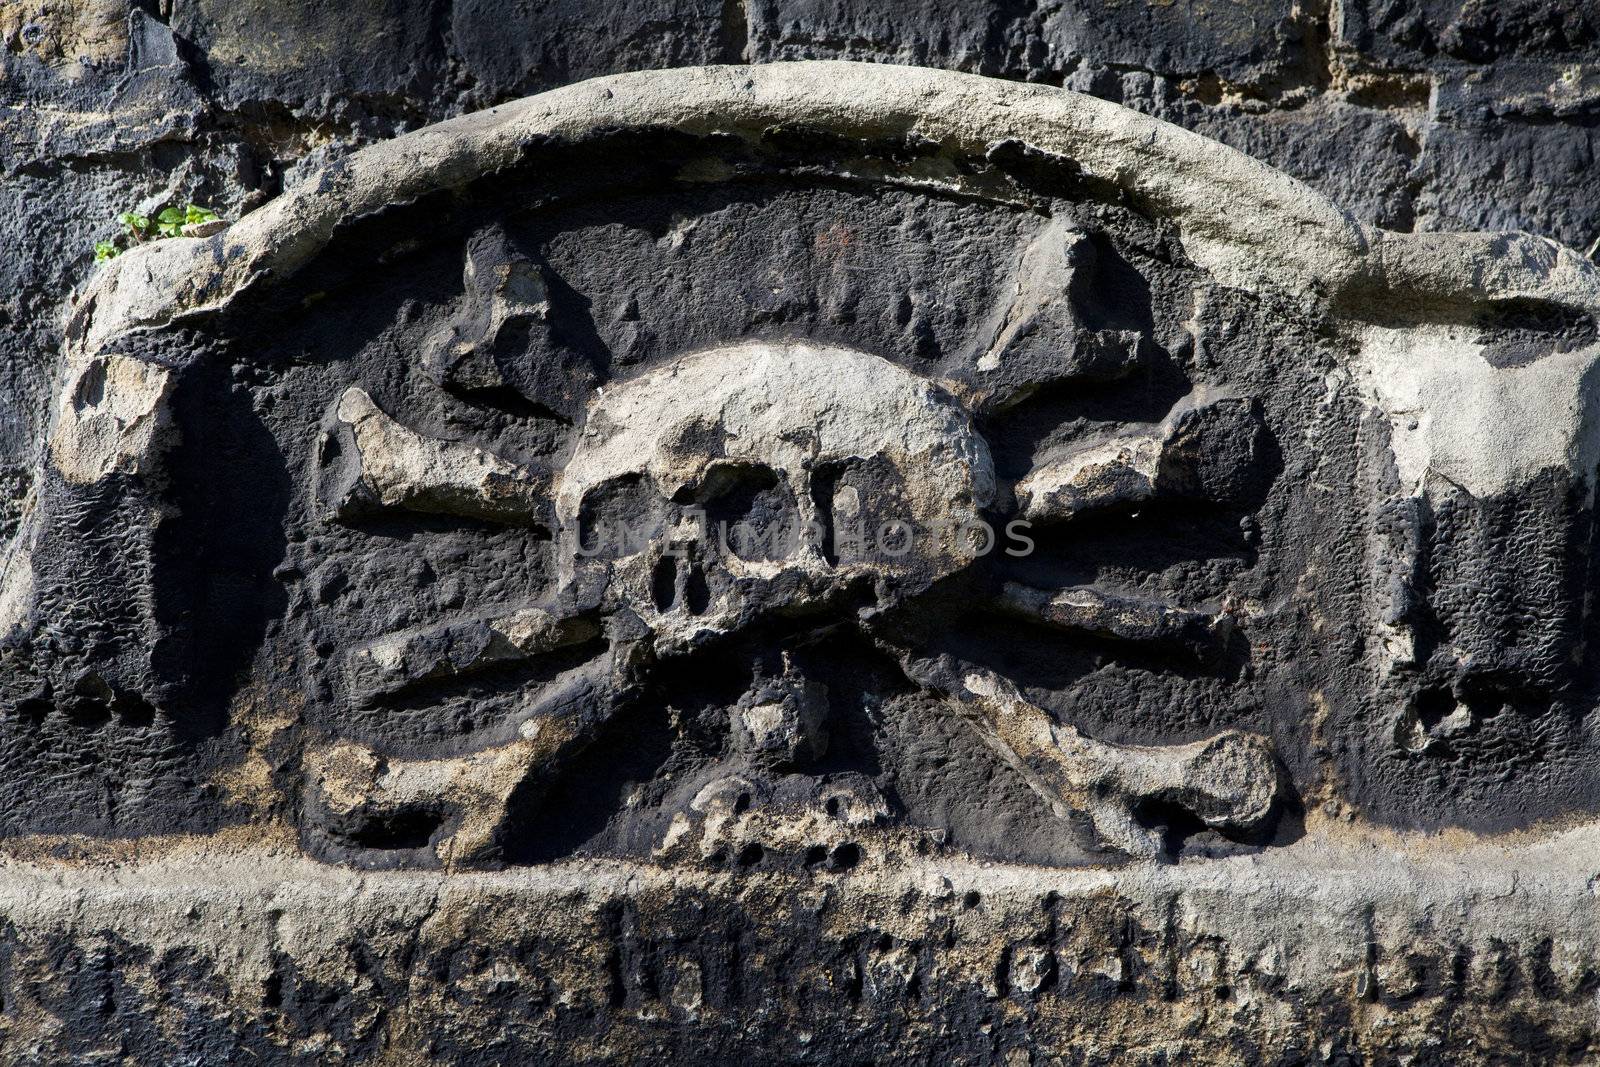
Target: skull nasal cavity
[666,592]
[664,583]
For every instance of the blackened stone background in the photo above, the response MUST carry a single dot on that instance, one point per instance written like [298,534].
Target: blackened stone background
[1414,114]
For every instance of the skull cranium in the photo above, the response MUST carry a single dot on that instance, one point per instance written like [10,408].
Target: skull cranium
[795,441]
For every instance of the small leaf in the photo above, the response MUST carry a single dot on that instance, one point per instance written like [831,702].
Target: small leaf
[170,222]
[104,250]
[137,225]
[196,214]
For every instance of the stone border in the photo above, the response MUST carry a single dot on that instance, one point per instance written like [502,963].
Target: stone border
[1315,904]
[1380,945]
[1292,240]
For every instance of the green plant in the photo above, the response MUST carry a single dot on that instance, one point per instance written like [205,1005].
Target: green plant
[137,228]
[171,221]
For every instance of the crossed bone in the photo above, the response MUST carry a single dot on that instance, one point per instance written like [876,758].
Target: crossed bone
[643,429]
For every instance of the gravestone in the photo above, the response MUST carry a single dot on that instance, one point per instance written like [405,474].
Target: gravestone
[807,562]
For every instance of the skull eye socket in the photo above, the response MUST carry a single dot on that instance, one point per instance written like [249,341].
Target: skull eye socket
[860,503]
[751,511]
[619,517]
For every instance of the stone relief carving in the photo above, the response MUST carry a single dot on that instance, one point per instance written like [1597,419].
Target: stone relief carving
[797,434]
[323,534]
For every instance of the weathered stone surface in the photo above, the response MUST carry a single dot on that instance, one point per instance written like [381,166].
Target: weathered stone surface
[1469,30]
[1364,949]
[180,701]
[1260,728]
[335,59]
[104,109]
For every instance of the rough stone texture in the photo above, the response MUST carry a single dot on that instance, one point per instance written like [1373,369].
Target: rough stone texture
[1413,114]
[330,704]
[247,954]
[708,818]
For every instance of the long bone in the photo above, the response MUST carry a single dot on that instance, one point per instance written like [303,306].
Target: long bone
[408,658]
[394,466]
[1227,781]
[357,788]
[473,796]
[1087,610]
[1039,336]
[1129,467]
[354,785]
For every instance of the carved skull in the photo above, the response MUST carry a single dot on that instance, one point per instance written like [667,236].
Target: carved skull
[768,477]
